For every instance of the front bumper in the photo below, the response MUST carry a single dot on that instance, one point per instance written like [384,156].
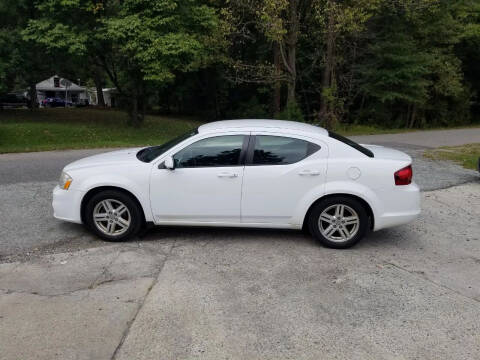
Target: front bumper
[66,204]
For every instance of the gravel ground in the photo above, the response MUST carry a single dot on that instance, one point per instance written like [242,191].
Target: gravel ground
[434,175]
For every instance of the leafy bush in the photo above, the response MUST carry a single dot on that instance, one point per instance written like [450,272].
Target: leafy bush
[291,112]
[251,109]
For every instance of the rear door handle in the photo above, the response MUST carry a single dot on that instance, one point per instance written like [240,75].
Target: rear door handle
[309,173]
[227,175]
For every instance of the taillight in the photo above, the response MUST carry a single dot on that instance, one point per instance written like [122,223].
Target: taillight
[404,176]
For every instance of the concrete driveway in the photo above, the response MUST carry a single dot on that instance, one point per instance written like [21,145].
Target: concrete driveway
[411,292]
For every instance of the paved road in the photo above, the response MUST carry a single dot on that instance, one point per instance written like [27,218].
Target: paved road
[428,139]
[38,166]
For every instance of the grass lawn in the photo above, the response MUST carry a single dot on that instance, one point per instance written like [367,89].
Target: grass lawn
[53,129]
[23,130]
[466,155]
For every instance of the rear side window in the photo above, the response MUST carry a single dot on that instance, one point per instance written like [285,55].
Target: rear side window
[211,152]
[351,143]
[279,150]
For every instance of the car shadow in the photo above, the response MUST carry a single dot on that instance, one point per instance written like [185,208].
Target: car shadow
[386,238]
[399,237]
[198,233]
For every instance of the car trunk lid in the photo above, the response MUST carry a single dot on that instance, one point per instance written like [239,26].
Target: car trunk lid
[382,152]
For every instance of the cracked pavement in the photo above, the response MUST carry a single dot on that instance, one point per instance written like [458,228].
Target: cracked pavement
[411,292]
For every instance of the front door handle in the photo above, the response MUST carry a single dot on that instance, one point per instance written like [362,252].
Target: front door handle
[227,175]
[309,173]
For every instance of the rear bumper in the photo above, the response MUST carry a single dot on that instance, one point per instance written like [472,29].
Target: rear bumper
[400,207]
[66,204]
[395,219]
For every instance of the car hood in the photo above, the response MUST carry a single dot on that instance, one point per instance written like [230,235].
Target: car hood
[382,152]
[110,158]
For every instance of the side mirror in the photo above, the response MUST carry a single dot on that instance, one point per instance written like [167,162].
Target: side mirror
[169,163]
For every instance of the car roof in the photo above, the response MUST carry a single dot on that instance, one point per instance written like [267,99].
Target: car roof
[261,124]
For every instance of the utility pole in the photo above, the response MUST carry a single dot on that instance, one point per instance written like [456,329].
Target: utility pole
[66,83]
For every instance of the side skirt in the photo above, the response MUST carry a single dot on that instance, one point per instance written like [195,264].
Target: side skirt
[230,224]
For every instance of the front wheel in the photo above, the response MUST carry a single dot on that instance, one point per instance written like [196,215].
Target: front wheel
[113,216]
[338,222]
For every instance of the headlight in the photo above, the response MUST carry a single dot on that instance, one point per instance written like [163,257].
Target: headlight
[65,181]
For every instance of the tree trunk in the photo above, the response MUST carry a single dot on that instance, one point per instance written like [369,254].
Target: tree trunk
[293,74]
[99,86]
[362,102]
[414,115]
[32,93]
[133,121]
[277,91]
[215,98]
[409,111]
[138,105]
[292,39]
[143,109]
[134,108]
[324,113]
[167,100]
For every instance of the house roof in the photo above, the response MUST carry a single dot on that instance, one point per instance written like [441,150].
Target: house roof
[49,85]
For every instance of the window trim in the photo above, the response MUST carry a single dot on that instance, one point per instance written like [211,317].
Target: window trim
[180,138]
[351,143]
[251,150]
[241,158]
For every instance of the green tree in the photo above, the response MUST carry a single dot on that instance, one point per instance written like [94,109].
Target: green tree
[21,61]
[71,28]
[468,49]
[275,24]
[340,24]
[410,74]
[138,43]
[154,39]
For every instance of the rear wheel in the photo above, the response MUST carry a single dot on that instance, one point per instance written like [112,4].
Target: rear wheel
[113,215]
[338,222]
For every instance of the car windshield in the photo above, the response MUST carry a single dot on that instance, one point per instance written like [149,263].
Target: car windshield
[150,153]
[351,143]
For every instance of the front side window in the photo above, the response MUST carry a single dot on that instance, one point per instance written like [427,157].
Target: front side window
[211,152]
[279,150]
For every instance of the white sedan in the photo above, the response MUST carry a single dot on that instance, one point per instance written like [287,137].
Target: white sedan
[243,173]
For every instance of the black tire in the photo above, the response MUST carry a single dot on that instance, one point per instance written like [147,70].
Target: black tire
[135,215]
[318,209]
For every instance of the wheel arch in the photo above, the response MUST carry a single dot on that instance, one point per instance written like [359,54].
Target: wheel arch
[365,204]
[92,192]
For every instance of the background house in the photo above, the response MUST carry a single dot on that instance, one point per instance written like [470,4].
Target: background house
[110,96]
[57,87]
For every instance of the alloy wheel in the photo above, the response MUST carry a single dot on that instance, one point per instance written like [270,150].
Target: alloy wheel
[339,223]
[111,217]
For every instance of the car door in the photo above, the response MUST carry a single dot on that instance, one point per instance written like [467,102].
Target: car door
[280,171]
[206,184]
